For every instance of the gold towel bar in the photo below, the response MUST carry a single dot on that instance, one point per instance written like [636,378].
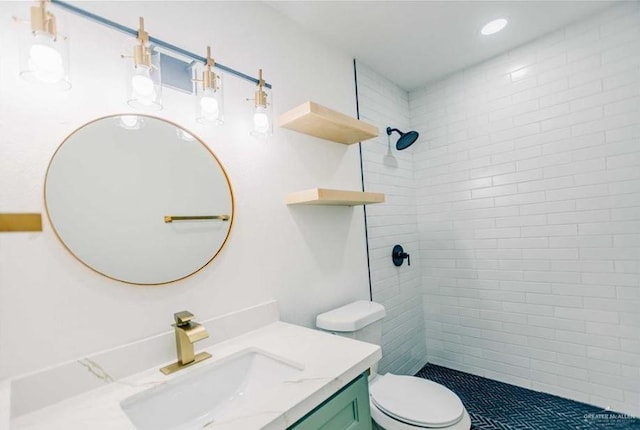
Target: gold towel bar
[172,218]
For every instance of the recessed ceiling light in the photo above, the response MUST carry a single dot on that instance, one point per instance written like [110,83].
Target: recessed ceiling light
[494,26]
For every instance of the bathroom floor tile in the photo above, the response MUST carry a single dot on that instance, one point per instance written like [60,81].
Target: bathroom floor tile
[495,405]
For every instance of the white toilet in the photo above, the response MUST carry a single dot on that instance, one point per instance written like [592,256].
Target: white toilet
[397,402]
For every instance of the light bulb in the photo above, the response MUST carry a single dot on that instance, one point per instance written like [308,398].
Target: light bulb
[143,87]
[45,60]
[209,108]
[260,122]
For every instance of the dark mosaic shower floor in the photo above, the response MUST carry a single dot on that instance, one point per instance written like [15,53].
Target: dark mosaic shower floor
[495,405]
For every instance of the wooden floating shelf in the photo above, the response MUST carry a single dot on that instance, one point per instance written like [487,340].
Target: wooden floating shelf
[15,222]
[324,196]
[316,120]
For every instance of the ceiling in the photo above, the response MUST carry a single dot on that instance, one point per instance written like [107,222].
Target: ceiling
[415,42]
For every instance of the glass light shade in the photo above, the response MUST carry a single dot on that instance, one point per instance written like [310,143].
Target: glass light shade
[44,59]
[210,103]
[144,90]
[262,121]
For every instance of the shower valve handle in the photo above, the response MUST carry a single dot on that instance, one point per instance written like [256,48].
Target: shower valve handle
[398,255]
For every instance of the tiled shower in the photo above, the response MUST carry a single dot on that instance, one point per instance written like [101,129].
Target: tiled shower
[520,207]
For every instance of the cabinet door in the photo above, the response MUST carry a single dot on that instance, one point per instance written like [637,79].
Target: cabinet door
[348,409]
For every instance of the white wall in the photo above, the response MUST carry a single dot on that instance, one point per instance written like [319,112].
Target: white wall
[310,259]
[383,104]
[528,201]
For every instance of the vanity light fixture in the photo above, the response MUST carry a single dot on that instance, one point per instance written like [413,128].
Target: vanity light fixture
[44,57]
[209,95]
[44,51]
[494,26]
[262,115]
[144,87]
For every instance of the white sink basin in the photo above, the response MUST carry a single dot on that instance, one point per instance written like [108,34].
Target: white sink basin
[213,392]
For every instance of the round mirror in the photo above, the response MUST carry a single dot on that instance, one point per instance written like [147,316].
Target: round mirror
[139,199]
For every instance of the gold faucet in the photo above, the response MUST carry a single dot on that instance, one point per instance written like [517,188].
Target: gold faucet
[187,333]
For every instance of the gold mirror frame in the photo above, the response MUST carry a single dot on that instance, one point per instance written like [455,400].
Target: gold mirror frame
[224,218]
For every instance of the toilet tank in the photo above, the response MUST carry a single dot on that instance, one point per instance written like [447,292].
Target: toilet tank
[361,320]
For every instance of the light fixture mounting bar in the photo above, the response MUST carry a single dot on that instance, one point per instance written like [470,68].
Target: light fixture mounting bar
[154,41]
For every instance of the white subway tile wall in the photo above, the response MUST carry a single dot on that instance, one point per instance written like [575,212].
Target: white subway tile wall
[527,187]
[386,170]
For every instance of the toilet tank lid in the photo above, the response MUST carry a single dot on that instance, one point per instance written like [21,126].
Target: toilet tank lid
[351,317]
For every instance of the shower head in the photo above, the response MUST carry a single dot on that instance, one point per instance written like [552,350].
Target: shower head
[405,140]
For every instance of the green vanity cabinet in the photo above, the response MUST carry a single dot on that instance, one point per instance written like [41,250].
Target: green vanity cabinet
[348,409]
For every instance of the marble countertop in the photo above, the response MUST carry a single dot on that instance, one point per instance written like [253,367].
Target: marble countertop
[330,362]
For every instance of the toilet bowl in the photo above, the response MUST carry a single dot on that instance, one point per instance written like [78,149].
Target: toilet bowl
[411,403]
[397,402]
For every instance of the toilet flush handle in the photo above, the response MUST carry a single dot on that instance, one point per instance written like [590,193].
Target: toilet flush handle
[398,255]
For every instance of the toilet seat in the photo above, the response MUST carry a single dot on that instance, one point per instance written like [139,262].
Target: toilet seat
[416,401]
